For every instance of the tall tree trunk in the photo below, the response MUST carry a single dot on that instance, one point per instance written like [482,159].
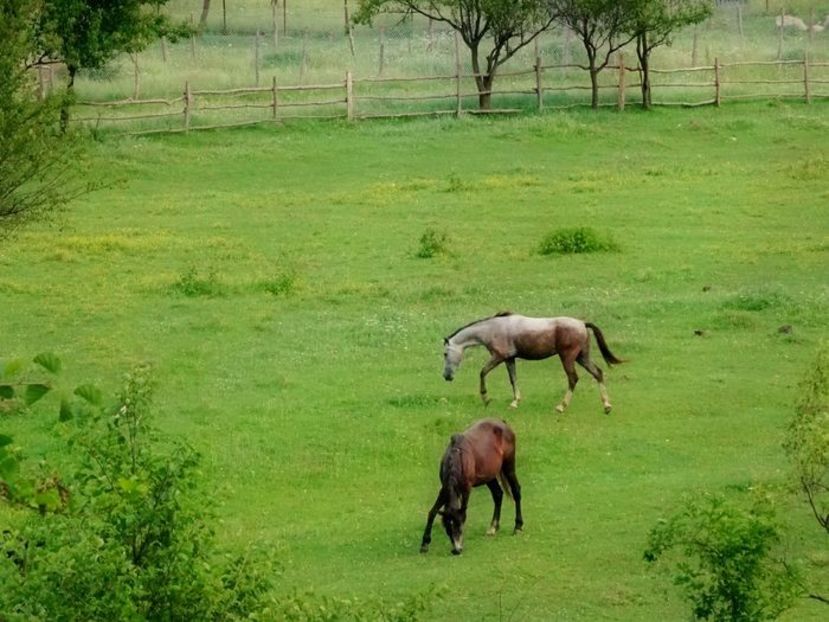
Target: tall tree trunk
[68,98]
[482,81]
[205,9]
[643,53]
[594,76]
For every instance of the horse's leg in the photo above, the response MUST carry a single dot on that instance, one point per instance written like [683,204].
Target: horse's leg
[490,365]
[516,394]
[508,469]
[568,361]
[427,533]
[497,497]
[596,371]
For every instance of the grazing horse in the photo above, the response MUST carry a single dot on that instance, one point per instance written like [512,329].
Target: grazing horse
[483,454]
[509,336]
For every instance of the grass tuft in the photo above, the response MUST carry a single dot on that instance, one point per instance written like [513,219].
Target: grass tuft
[576,240]
[194,284]
[432,243]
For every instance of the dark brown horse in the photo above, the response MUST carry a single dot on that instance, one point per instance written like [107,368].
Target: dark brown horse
[483,454]
[509,336]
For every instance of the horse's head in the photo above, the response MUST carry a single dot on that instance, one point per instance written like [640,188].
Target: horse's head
[453,520]
[452,357]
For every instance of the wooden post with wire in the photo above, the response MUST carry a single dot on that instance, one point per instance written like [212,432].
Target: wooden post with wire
[349,96]
[539,88]
[621,60]
[188,101]
[274,99]
[459,108]
[807,90]
[717,98]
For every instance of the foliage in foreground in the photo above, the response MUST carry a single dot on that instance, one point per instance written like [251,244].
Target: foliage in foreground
[722,556]
[807,442]
[126,535]
[39,170]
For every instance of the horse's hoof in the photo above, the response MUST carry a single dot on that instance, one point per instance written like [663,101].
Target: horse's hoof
[513,405]
[486,401]
[456,551]
[559,409]
[607,409]
[424,548]
[491,531]
[518,531]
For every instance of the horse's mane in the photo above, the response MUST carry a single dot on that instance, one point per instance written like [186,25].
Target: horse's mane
[452,471]
[483,319]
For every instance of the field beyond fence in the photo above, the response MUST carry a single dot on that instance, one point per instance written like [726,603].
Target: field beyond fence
[257,61]
[552,86]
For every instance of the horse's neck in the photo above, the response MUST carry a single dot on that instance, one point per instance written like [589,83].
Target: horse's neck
[470,336]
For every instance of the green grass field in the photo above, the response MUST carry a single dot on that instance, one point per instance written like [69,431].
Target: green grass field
[305,361]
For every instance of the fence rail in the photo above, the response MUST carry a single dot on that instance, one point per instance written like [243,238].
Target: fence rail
[357,100]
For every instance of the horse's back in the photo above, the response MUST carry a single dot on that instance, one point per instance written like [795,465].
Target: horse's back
[538,338]
[492,442]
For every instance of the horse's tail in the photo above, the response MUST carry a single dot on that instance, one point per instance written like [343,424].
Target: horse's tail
[607,355]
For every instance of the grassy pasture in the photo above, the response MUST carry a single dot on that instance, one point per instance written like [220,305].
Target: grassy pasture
[271,277]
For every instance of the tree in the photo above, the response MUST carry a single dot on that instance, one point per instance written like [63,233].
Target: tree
[88,34]
[653,22]
[507,26]
[807,444]
[39,165]
[722,556]
[603,28]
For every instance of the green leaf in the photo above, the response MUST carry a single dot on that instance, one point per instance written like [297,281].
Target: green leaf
[90,393]
[5,440]
[8,466]
[48,361]
[6,392]
[50,499]
[12,368]
[35,392]
[65,411]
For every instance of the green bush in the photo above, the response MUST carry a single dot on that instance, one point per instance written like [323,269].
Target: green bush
[132,537]
[569,241]
[722,557]
[193,284]
[432,243]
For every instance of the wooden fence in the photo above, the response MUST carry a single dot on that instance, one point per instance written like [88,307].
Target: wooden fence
[352,98]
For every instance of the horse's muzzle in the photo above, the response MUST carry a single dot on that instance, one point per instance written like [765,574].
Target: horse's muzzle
[448,377]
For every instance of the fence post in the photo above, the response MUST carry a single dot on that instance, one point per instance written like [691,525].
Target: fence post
[694,47]
[274,25]
[136,78]
[274,100]
[349,96]
[224,17]
[780,37]
[192,38]
[187,103]
[256,57]
[163,42]
[382,60]
[621,60]
[740,19]
[459,108]
[539,90]
[806,89]
[717,81]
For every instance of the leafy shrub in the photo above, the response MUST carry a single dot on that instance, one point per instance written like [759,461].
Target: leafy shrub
[134,540]
[193,284]
[280,284]
[568,241]
[432,243]
[807,440]
[721,556]
[456,184]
